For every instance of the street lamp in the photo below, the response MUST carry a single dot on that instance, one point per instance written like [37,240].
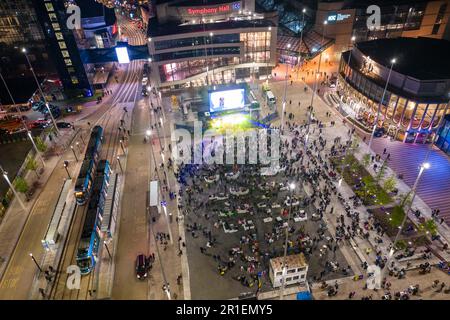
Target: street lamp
[352,39]
[301,39]
[121,145]
[283,279]
[5,175]
[107,249]
[120,165]
[379,105]
[285,91]
[35,262]
[423,167]
[316,84]
[71,147]
[66,165]
[40,89]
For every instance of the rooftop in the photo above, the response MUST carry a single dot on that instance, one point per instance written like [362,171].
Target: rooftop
[91,9]
[292,261]
[156,29]
[421,58]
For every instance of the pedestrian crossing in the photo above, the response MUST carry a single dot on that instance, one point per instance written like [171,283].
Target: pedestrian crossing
[434,187]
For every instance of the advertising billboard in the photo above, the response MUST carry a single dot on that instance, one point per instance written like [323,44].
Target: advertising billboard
[122,55]
[226,100]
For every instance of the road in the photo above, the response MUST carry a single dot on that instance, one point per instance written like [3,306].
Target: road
[18,277]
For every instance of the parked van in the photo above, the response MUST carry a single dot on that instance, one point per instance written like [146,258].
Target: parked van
[271,100]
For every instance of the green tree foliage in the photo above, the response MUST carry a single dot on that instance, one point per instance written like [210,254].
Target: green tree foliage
[430,226]
[40,145]
[21,184]
[397,216]
[390,184]
[366,160]
[32,165]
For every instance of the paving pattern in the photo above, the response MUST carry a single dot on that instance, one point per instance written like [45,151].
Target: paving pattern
[434,187]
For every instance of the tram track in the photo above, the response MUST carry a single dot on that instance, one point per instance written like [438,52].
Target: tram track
[109,118]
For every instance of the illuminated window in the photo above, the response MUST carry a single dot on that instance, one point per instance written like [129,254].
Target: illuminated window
[62,44]
[65,53]
[49,7]
[74,80]
[59,36]
[56,26]
[68,62]
[52,17]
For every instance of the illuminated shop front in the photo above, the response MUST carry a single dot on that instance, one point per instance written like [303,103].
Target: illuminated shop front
[222,42]
[412,108]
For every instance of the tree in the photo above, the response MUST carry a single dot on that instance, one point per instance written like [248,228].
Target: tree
[40,145]
[381,172]
[21,184]
[390,184]
[366,160]
[430,226]
[32,165]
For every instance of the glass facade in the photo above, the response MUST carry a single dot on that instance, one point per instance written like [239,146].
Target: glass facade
[404,118]
[255,45]
[197,53]
[394,19]
[196,41]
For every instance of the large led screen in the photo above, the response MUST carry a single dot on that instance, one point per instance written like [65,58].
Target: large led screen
[122,55]
[226,100]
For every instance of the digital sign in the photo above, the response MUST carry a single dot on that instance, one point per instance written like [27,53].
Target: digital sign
[122,55]
[337,17]
[211,10]
[226,100]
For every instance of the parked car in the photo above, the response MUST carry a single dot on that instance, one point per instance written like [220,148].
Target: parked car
[40,123]
[142,266]
[63,125]
[379,132]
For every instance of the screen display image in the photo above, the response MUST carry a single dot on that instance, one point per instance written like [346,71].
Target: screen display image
[226,100]
[122,55]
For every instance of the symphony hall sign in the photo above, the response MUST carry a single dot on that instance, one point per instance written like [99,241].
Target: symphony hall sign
[212,10]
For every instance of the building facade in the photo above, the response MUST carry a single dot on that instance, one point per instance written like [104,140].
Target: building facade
[295,270]
[62,46]
[209,42]
[399,18]
[417,95]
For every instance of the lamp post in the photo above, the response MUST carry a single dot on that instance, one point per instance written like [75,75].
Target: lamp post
[40,89]
[301,39]
[121,146]
[74,153]
[66,165]
[291,188]
[107,249]
[23,121]
[35,262]
[285,91]
[212,62]
[316,84]
[120,165]
[423,166]
[5,175]
[267,61]
[379,105]
[348,63]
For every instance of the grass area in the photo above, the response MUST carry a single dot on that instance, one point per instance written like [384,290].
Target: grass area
[391,218]
[361,182]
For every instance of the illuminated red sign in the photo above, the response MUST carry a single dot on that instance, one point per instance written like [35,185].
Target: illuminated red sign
[209,10]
